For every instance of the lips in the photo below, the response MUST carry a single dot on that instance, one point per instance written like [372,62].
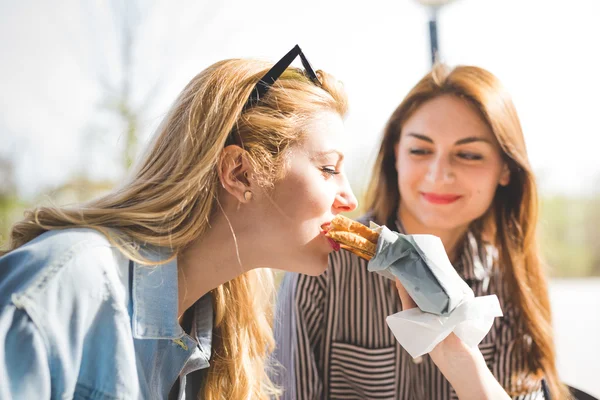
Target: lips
[437,198]
[324,229]
[334,244]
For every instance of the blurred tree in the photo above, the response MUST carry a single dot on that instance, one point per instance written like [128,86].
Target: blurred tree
[565,238]
[120,89]
[127,49]
[130,49]
[77,190]
[592,229]
[7,181]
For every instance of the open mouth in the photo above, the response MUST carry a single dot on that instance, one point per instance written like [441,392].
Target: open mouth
[335,245]
[324,229]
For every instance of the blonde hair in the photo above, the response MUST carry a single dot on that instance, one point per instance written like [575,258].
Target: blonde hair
[511,221]
[172,195]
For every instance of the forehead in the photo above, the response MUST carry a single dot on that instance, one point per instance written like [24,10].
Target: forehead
[325,131]
[448,117]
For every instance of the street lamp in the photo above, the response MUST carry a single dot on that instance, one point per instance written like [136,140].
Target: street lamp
[434,7]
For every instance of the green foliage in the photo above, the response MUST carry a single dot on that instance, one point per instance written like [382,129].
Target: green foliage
[78,189]
[11,209]
[569,229]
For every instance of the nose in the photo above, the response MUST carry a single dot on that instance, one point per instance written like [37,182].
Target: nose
[345,200]
[440,170]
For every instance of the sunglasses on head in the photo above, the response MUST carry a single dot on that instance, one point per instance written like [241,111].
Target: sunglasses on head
[265,83]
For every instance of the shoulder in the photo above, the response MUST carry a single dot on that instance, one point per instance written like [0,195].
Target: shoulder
[71,289]
[68,262]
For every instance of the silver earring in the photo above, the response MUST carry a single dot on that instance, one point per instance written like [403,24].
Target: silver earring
[247,195]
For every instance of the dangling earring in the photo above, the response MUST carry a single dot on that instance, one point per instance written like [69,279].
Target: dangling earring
[247,195]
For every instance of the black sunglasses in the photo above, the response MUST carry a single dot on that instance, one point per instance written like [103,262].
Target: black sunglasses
[265,83]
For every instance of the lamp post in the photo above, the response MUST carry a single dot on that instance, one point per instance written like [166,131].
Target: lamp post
[434,7]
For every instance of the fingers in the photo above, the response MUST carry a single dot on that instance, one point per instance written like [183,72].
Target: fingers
[407,301]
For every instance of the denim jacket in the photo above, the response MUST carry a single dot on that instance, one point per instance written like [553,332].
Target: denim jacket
[79,320]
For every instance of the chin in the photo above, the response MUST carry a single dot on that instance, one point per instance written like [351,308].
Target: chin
[443,223]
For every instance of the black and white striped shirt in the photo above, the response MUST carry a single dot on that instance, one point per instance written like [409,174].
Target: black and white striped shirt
[333,341]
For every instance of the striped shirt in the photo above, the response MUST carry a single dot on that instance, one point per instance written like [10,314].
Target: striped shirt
[333,341]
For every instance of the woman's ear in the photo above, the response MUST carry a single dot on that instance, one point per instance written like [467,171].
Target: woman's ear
[504,175]
[235,173]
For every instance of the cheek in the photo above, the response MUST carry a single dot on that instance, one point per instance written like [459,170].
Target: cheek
[410,173]
[318,196]
[304,197]
[483,184]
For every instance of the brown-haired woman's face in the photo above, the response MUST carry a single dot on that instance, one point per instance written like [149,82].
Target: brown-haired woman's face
[449,165]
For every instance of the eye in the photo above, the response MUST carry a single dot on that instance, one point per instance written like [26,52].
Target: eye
[419,152]
[329,170]
[470,156]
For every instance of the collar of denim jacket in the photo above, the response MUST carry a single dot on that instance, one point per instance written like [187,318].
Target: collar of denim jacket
[155,301]
[202,326]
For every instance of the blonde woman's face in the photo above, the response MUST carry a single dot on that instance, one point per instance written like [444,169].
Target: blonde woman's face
[313,191]
[449,165]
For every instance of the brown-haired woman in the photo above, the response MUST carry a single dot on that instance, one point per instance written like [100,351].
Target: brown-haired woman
[452,163]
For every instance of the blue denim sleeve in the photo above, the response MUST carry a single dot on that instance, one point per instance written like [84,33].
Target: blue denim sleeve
[65,330]
[24,368]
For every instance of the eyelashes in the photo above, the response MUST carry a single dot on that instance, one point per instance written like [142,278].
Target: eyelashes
[470,156]
[419,152]
[467,156]
[331,171]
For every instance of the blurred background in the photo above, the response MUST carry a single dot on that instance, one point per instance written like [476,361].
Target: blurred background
[85,83]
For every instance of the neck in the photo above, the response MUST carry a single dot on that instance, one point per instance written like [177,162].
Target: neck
[451,238]
[214,259]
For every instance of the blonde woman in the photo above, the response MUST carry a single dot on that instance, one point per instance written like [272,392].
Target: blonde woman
[156,290]
[452,163]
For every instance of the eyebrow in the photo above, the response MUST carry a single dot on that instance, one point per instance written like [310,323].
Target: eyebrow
[470,139]
[321,154]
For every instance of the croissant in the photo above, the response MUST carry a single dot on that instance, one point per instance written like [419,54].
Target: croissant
[353,236]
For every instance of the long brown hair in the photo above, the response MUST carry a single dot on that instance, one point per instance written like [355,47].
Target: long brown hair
[172,195]
[511,220]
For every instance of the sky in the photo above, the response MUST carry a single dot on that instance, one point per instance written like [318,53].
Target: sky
[57,61]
